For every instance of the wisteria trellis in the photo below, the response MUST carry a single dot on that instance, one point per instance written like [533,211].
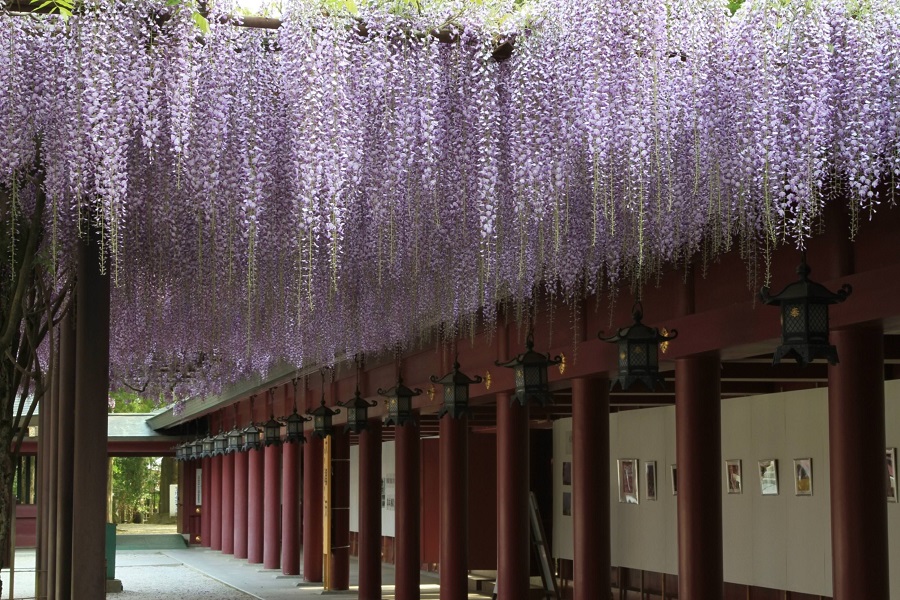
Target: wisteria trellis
[298,194]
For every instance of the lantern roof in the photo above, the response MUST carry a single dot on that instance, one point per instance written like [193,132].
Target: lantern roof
[399,390]
[294,417]
[639,331]
[456,377]
[805,289]
[322,410]
[357,401]
[530,356]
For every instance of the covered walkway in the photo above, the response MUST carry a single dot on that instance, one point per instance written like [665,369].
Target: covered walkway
[199,573]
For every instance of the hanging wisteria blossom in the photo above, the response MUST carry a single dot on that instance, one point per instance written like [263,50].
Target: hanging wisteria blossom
[350,180]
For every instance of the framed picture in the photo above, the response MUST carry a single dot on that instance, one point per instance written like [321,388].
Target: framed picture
[733,476]
[673,471]
[803,476]
[567,473]
[768,477]
[891,456]
[650,479]
[628,480]
[567,504]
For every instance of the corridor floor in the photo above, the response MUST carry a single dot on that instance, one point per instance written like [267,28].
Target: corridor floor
[203,574]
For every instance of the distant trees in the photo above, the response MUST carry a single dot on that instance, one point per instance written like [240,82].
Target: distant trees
[135,480]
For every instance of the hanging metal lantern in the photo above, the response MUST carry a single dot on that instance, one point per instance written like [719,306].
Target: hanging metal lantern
[357,412]
[530,370]
[253,437]
[456,391]
[220,444]
[208,447]
[322,419]
[179,452]
[197,449]
[272,431]
[235,441]
[235,437]
[294,421]
[294,427]
[639,351]
[804,318]
[399,403]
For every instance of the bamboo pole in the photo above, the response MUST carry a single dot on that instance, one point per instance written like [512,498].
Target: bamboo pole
[326,514]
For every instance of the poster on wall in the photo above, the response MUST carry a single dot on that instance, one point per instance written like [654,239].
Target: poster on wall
[733,476]
[388,492]
[891,457]
[628,481]
[768,477]
[650,479]
[803,477]
[198,488]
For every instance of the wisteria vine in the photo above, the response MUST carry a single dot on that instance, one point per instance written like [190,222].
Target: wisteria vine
[345,183]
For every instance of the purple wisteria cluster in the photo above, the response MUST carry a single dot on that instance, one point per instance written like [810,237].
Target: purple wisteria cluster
[345,183]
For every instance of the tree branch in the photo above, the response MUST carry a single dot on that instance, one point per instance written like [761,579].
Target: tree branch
[25,269]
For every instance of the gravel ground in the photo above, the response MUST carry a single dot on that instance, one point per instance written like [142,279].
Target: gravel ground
[168,578]
[144,575]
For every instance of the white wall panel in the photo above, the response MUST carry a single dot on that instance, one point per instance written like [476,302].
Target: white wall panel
[782,541]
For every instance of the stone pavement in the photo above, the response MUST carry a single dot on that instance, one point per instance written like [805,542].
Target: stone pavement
[203,574]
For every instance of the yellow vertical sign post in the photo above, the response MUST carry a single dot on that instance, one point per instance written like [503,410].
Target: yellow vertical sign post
[326,514]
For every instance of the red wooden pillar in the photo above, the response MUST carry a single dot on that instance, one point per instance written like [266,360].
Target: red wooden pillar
[91,394]
[590,484]
[290,508]
[408,516]
[340,510]
[454,470]
[698,442]
[228,504]
[215,541]
[272,516]
[856,437]
[370,511]
[182,494]
[514,531]
[312,508]
[66,465]
[241,461]
[206,502]
[255,505]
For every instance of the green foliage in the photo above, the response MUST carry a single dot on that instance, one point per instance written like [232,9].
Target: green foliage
[734,5]
[63,7]
[135,480]
[129,402]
